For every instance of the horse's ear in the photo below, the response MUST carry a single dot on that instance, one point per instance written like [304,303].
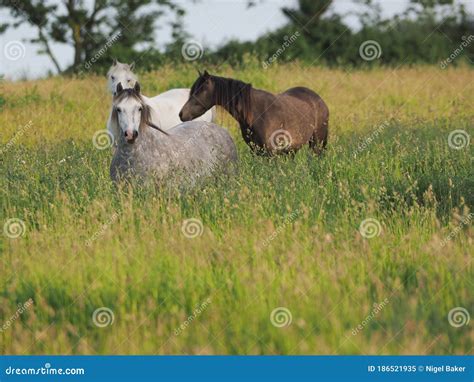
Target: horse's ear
[119,87]
[132,65]
[206,74]
[114,62]
[137,87]
[199,73]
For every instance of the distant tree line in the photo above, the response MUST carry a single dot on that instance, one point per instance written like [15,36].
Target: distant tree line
[428,31]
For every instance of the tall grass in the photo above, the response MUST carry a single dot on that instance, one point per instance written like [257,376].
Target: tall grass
[283,232]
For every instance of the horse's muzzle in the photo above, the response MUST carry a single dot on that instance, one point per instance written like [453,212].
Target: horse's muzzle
[183,117]
[130,137]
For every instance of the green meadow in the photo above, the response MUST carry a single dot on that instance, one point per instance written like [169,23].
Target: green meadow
[365,250]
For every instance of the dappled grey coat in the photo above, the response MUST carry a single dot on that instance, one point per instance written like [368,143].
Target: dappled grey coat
[190,151]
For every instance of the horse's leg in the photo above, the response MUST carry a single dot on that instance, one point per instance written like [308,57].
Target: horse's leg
[318,140]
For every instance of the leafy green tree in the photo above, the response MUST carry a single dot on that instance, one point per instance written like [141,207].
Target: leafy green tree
[427,32]
[99,30]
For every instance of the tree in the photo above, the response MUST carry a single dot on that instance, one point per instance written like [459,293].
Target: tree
[99,29]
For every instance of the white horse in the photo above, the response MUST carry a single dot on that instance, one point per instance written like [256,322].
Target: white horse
[166,105]
[187,152]
[121,73]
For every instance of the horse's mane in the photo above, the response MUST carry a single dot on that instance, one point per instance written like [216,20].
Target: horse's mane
[232,94]
[146,109]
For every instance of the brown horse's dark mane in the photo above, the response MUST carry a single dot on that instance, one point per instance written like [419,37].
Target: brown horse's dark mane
[233,95]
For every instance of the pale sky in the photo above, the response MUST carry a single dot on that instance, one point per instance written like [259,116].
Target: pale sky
[211,22]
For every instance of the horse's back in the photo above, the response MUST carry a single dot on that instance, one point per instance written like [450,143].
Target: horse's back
[202,137]
[201,131]
[173,95]
[169,103]
[308,96]
[301,93]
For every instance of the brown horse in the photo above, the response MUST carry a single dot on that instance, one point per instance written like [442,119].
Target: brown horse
[270,124]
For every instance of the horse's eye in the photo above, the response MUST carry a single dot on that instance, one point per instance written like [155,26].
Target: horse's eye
[119,110]
[129,80]
[140,108]
[113,78]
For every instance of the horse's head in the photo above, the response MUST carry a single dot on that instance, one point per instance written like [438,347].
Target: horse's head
[201,98]
[233,95]
[130,113]
[121,73]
